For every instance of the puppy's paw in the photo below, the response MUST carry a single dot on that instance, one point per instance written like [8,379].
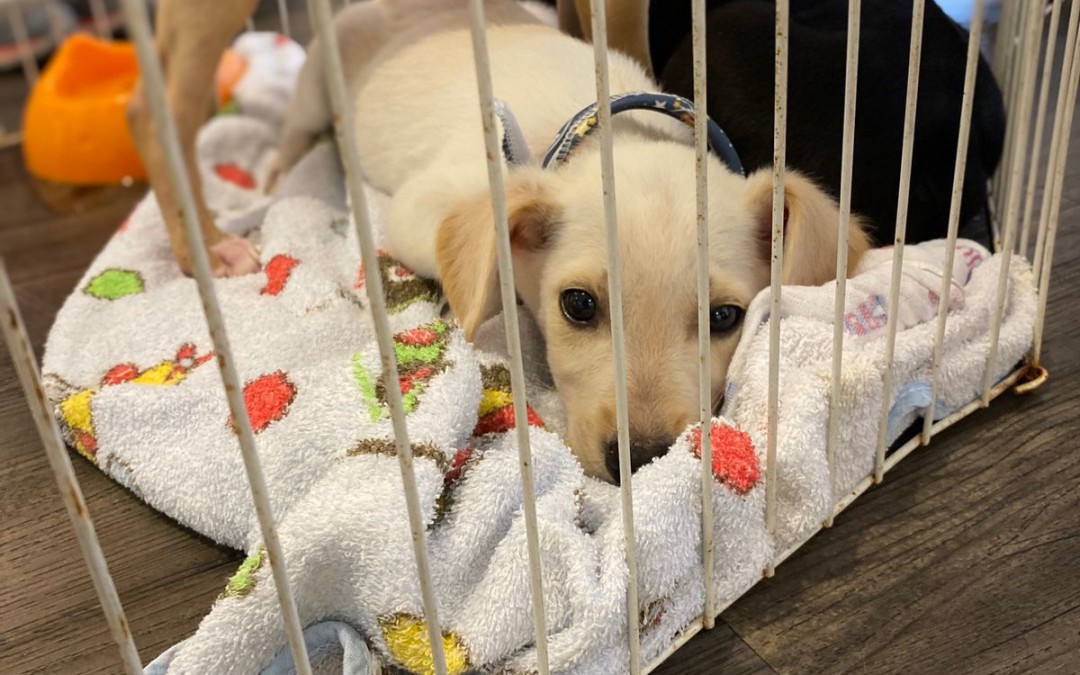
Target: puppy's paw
[234,257]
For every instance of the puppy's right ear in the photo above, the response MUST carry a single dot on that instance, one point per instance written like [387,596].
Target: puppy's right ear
[465,244]
[812,228]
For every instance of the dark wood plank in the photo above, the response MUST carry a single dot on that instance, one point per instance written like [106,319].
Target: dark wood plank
[718,650]
[167,576]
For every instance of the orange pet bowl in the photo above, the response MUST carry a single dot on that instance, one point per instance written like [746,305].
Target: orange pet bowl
[74,128]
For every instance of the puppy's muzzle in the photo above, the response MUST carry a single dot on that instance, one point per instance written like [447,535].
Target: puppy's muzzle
[642,452]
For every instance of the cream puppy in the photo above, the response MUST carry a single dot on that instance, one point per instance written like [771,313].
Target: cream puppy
[410,69]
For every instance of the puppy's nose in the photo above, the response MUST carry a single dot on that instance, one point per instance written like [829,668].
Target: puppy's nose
[642,451]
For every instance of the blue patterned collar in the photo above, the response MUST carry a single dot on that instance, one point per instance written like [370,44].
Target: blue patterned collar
[586,121]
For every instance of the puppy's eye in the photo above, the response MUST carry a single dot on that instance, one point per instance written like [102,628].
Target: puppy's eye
[578,306]
[724,318]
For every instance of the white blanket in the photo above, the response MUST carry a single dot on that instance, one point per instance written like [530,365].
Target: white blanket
[128,364]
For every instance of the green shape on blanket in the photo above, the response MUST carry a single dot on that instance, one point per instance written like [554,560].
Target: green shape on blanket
[243,582]
[114,283]
[419,352]
[230,108]
[375,403]
[367,389]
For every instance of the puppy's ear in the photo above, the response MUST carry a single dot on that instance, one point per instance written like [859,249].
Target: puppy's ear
[465,244]
[811,228]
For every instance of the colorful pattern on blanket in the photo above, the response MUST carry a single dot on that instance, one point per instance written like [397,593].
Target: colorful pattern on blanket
[126,366]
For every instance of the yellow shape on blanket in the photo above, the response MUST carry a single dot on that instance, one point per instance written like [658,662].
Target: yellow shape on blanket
[76,411]
[407,639]
[160,374]
[493,400]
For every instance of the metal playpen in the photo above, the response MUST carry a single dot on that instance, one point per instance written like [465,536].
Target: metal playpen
[1013,195]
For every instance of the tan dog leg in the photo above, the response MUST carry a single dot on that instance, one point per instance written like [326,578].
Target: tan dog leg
[191,35]
[628,26]
[365,31]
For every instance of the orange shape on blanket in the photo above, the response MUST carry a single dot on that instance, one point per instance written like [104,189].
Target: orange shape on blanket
[231,173]
[277,271]
[735,462]
[231,69]
[267,399]
[75,126]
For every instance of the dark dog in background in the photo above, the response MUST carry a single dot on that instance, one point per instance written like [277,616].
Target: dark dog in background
[740,48]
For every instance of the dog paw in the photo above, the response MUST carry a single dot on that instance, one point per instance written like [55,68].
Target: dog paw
[234,257]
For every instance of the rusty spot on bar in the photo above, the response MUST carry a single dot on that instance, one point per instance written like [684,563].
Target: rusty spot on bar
[76,501]
[13,318]
[1032,378]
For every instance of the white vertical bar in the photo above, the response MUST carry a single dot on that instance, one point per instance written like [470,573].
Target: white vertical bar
[598,13]
[283,17]
[510,320]
[914,61]
[1016,45]
[52,11]
[847,161]
[1061,156]
[783,20]
[138,26]
[1003,32]
[22,355]
[1040,122]
[1033,28]
[22,42]
[1057,142]
[341,105]
[100,15]
[1018,126]
[954,208]
[701,166]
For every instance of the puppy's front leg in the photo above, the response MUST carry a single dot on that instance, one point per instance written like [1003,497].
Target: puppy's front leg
[191,36]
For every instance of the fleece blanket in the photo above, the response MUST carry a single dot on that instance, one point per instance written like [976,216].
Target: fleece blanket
[129,367]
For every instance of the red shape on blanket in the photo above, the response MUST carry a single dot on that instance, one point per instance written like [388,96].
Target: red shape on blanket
[502,420]
[407,382]
[120,374]
[277,271]
[267,399]
[735,462]
[457,465]
[417,337]
[231,173]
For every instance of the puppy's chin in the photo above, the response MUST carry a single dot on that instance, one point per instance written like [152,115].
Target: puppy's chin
[591,456]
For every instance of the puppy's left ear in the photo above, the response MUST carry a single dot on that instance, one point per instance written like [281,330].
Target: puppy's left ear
[465,244]
[811,228]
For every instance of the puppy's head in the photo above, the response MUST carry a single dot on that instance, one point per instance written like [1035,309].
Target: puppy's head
[560,267]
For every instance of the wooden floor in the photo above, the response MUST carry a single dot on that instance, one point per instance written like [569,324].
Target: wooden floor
[966,560]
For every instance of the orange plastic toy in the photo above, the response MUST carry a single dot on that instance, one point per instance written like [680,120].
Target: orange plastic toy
[74,127]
